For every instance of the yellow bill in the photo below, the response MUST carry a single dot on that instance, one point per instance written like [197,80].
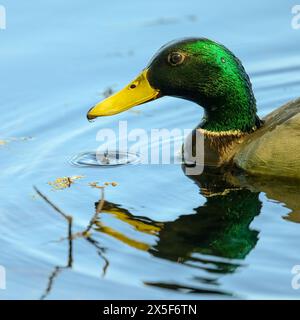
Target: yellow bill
[137,92]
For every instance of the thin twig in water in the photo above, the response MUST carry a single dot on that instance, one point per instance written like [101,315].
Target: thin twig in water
[70,256]
[55,207]
[100,253]
[95,216]
[58,269]
[72,236]
[52,277]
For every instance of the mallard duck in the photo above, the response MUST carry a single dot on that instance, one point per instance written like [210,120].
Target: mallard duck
[207,73]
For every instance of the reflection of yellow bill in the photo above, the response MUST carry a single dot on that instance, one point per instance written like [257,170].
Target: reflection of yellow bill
[121,237]
[137,224]
[150,227]
[137,92]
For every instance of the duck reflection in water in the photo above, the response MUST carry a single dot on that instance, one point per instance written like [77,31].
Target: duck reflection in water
[215,237]
[219,228]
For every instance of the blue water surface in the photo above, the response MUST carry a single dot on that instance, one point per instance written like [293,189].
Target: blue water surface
[157,236]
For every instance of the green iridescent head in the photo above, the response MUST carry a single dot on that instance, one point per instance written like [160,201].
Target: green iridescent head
[195,69]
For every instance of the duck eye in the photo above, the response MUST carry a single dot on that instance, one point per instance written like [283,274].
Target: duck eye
[175,58]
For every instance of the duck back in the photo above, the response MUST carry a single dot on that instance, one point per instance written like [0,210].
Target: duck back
[274,149]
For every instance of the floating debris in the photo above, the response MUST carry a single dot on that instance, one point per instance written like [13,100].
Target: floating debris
[105,159]
[106,184]
[3,142]
[95,185]
[64,182]
[8,140]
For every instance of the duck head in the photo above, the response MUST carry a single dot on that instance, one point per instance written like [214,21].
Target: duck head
[195,69]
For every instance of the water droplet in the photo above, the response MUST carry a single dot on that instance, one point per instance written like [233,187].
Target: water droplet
[104,159]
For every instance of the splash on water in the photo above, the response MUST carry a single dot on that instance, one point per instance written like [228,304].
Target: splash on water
[104,159]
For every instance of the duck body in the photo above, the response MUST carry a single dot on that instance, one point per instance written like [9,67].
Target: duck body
[272,150]
[207,73]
